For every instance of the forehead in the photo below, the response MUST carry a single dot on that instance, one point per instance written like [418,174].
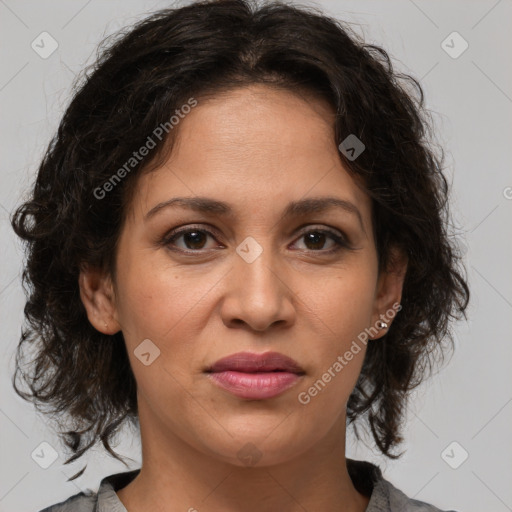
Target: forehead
[260,121]
[254,146]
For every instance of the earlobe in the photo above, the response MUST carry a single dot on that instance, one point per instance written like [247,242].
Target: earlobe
[389,293]
[98,298]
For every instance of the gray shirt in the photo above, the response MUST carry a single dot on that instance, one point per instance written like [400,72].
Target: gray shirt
[367,479]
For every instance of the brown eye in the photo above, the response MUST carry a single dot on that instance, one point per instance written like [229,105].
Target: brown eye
[191,240]
[194,239]
[316,239]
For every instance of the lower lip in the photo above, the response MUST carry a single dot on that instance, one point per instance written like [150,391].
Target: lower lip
[255,386]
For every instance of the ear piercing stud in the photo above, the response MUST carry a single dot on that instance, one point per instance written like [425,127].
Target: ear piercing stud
[381,324]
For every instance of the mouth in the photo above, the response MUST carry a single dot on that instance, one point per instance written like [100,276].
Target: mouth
[255,376]
[248,362]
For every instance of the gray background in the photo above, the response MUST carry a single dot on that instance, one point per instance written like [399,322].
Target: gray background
[469,401]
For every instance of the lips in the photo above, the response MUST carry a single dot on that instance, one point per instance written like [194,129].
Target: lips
[247,362]
[255,376]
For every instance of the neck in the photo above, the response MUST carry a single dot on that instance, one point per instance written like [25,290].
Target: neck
[178,477]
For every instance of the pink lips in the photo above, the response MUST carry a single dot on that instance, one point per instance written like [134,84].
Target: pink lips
[255,376]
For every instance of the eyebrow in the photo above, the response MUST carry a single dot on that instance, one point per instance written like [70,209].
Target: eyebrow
[294,209]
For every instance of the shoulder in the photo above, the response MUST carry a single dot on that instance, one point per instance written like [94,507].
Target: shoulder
[384,496]
[105,499]
[395,499]
[80,502]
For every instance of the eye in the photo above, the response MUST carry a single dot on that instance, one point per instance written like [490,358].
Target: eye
[315,240]
[192,239]
[195,240]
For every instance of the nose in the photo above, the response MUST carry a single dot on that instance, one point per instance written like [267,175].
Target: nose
[258,294]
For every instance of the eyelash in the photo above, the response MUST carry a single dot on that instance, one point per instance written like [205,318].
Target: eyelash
[341,241]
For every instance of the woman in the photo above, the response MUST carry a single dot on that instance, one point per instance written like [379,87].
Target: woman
[237,241]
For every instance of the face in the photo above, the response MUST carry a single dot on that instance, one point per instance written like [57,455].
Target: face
[249,268]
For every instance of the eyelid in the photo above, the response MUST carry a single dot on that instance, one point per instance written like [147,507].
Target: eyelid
[306,228]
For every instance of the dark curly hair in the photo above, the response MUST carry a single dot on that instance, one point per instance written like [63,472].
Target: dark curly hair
[141,76]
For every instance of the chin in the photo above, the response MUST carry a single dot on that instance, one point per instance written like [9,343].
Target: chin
[260,443]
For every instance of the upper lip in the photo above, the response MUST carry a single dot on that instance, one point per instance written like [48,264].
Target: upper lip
[250,362]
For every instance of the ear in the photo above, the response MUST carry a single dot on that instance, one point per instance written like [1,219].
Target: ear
[98,298]
[389,292]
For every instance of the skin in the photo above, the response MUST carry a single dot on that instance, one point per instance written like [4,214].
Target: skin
[258,149]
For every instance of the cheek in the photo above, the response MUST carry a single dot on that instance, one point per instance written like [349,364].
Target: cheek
[159,305]
[156,303]
[344,302]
